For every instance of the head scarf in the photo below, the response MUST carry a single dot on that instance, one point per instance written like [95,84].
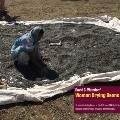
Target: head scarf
[26,42]
[29,38]
[34,33]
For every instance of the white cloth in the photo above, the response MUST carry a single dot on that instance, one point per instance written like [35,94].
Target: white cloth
[40,93]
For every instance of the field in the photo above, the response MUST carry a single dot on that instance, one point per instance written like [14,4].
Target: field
[61,106]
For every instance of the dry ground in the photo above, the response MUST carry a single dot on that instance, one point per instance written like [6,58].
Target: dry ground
[50,9]
[60,107]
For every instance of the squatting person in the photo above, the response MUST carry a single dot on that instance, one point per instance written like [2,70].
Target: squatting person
[26,48]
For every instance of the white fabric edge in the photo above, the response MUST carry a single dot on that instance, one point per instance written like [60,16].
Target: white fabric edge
[40,93]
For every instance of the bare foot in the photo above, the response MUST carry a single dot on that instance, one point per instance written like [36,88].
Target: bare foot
[3,12]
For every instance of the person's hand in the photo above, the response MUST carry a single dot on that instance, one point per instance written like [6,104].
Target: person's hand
[45,58]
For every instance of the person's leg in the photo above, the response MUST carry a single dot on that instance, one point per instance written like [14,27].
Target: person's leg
[37,54]
[2,6]
[23,58]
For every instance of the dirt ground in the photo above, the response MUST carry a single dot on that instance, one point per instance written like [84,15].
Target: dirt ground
[85,48]
[104,53]
[51,9]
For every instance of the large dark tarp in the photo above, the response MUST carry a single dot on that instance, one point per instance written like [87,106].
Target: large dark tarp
[84,48]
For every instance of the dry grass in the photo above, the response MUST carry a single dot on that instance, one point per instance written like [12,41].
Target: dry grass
[50,9]
[61,107]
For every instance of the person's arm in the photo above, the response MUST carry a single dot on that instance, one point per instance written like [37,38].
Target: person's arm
[42,57]
[31,54]
[44,70]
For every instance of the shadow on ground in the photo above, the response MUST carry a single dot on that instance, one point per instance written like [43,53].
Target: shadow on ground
[7,17]
[30,72]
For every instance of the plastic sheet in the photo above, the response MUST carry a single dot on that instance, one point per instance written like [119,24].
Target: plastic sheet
[40,93]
